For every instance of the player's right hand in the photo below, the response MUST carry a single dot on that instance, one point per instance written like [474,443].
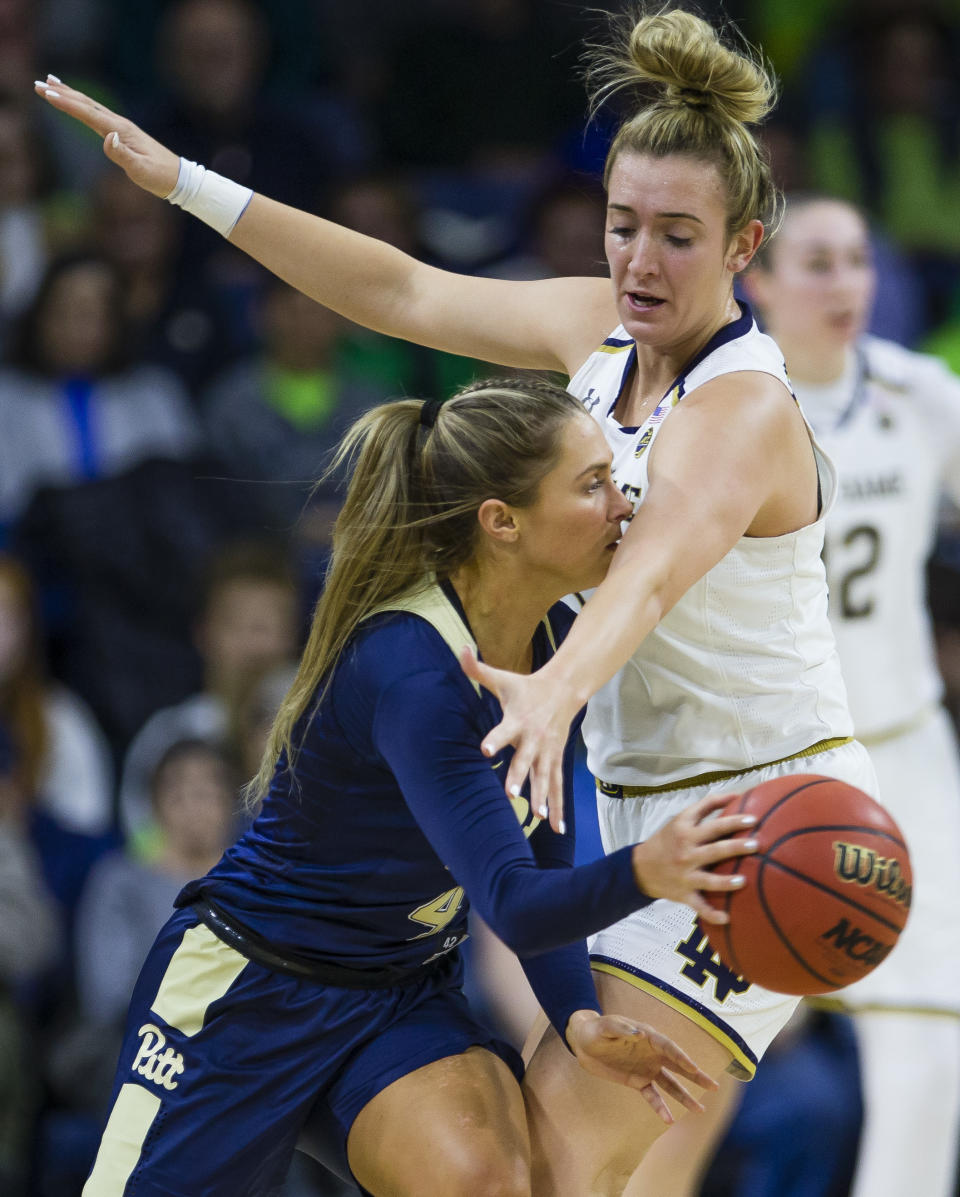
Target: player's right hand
[675,862]
[146,162]
[629,1053]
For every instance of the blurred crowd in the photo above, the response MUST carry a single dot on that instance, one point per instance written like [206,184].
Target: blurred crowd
[167,411]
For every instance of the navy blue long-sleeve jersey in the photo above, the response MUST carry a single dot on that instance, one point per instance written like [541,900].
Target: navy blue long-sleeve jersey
[365,850]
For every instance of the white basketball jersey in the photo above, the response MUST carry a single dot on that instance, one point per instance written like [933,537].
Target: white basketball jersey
[744,669]
[893,429]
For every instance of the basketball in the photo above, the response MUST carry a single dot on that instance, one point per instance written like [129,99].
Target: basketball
[827,893]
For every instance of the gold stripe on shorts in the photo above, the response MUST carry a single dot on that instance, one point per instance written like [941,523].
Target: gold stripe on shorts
[130,1119]
[200,971]
[613,790]
[740,1065]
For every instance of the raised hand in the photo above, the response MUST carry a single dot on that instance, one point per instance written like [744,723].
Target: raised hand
[616,1048]
[146,162]
[675,862]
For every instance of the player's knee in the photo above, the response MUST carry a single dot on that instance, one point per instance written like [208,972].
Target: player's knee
[479,1172]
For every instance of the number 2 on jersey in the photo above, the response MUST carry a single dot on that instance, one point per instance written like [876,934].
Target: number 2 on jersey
[846,589]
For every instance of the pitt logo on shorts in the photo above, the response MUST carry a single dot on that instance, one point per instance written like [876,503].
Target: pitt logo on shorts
[153,1062]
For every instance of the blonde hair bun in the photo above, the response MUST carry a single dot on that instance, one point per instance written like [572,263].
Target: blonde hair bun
[698,95]
[685,55]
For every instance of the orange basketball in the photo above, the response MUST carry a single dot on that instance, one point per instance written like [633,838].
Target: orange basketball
[827,893]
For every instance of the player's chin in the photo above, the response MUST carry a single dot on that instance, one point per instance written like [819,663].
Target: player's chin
[597,574]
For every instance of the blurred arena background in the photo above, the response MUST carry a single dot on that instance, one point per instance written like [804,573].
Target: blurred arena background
[165,408]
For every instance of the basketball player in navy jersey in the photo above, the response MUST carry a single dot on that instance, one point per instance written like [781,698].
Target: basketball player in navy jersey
[311,977]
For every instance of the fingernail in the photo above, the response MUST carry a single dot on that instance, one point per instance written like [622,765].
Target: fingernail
[752,845]
[541,811]
[115,140]
[748,820]
[514,791]
[51,95]
[562,827]
[738,881]
[54,78]
[40,83]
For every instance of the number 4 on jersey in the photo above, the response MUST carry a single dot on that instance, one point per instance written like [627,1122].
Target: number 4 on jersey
[437,913]
[704,963]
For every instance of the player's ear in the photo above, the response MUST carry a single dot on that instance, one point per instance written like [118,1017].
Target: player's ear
[497,520]
[743,245]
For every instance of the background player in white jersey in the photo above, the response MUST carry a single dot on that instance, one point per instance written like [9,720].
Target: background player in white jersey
[890,419]
[716,602]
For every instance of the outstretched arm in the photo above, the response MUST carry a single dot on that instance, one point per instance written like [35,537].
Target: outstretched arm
[734,457]
[550,325]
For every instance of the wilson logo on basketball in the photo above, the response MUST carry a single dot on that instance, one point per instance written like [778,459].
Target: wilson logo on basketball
[857,865]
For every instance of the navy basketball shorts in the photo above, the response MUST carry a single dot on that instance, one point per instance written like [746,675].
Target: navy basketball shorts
[223,1060]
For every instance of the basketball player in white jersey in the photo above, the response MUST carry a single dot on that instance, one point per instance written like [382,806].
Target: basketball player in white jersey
[890,419]
[709,640]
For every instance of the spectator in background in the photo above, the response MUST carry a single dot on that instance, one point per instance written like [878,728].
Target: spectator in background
[252,714]
[438,110]
[63,755]
[563,237]
[18,44]
[174,317]
[277,415]
[249,619]
[73,407]
[24,181]
[385,207]
[883,121]
[108,494]
[213,59]
[29,943]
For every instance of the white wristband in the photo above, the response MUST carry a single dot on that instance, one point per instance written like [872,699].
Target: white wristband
[217,201]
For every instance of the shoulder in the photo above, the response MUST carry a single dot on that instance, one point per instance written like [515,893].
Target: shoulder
[603,361]
[200,715]
[394,645]
[901,369]
[64,708]
[739,348]
[398,677]
[919,383]
[69,718]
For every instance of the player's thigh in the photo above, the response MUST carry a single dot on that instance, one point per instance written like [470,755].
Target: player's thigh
[456,1126]
[589,1135]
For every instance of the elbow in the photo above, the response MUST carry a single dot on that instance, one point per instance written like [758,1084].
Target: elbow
[514,933]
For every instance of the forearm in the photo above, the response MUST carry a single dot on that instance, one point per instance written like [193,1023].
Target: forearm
[536,910]
[621,613]
[562,983]
[365,280]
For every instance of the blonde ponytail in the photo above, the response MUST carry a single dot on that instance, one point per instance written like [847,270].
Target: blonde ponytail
[419,476]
